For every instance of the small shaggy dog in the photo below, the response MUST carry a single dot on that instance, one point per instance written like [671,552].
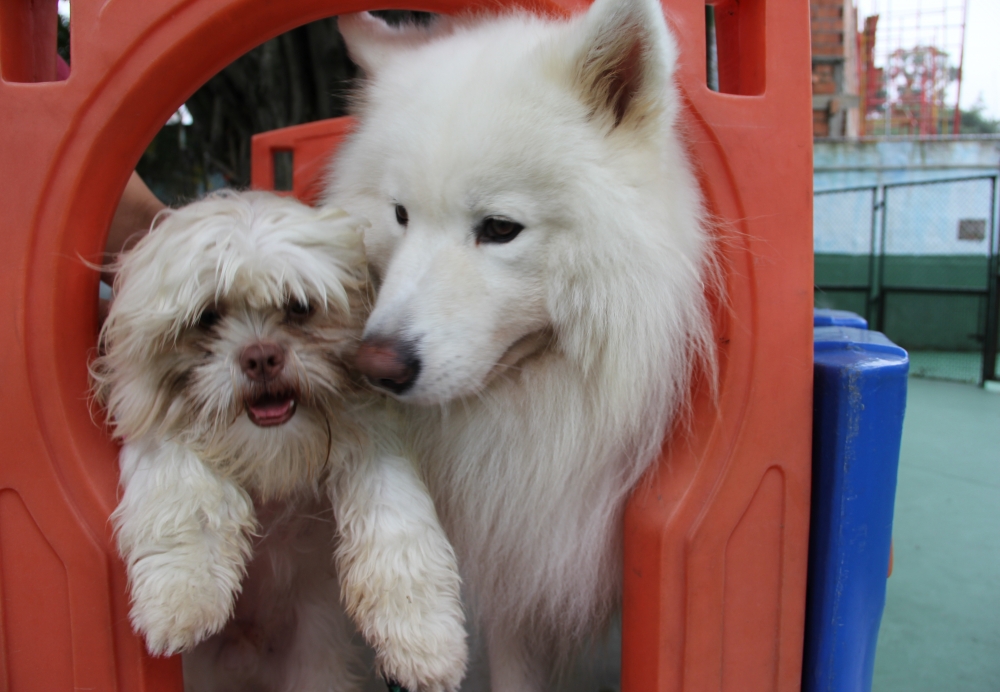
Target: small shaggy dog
[538,235]
[253,460]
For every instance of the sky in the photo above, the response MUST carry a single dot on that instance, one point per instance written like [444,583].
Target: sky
[981,65]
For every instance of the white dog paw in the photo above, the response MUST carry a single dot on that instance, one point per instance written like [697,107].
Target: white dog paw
[441,675]
[432,661]
[174,606]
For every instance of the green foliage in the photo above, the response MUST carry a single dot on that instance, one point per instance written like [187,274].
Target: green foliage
[175,170]
[62,38]
[975,121]
[300,76]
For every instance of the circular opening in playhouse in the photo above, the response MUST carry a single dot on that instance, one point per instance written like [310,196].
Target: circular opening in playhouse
[301,76]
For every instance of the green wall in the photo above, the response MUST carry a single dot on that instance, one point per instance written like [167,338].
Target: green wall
[917,321]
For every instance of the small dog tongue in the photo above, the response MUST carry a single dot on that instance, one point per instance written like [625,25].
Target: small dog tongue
[271,410]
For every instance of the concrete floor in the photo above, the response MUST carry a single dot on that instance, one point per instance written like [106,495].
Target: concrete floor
[941,626]
[947,365]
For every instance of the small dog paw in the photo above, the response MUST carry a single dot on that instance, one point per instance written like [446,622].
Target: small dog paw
[427,663]
[175,606]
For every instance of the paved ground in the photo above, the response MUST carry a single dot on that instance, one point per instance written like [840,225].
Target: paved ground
[941,627]
[945,365]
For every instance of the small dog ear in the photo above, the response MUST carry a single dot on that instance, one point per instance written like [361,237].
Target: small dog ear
[371,42]
[625,64]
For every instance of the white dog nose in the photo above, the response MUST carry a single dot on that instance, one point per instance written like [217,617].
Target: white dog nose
[390,365]
[262,361]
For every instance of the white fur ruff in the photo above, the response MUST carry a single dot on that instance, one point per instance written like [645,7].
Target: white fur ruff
[553,364]
[243,538]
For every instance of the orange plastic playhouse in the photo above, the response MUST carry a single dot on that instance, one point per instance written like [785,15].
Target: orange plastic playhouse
[716,544]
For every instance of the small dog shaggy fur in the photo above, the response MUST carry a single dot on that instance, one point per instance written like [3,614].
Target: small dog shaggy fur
[540,245]
[264,492]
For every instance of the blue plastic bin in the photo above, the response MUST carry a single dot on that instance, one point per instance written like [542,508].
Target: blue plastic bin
[838,318]
[859,400]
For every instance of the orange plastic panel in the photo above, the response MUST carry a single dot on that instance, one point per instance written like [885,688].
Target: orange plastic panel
[741,40]
[715,551]
[27,41]
[310,145]
[716,545]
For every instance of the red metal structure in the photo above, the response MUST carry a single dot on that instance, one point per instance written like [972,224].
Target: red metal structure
[716,541]
[910,69]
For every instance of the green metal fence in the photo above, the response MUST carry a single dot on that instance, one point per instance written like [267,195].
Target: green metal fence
[920,261]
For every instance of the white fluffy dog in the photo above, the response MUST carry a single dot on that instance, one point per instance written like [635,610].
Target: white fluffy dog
[252,457]
[539,239]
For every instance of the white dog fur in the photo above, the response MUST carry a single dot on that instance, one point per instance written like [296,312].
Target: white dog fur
[253,460]
[541,247]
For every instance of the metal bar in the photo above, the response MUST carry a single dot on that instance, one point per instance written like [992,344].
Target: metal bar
[951,290]
[993,300]
[871,255]
[936,181]
[844,189]
[957,114]
[880,276]
[926,168]
[941,181]
[908,138]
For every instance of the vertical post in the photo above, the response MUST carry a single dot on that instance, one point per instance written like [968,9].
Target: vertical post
[859,398]
[992,299]
[957,120]
[861,43]
[880,275]
[711,50]
[872,255]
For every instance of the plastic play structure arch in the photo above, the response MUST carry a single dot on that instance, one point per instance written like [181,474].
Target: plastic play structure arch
[716,542]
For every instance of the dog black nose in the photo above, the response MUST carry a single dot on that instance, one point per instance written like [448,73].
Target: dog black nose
[391,365]
[262,361]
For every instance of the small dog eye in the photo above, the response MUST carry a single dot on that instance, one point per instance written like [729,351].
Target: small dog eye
[208,319]
[497,230]
[296,308]
[402,217]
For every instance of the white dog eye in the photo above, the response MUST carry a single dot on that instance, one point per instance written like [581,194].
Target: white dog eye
[402,217]
[208,319]
[297,309]
[493,229]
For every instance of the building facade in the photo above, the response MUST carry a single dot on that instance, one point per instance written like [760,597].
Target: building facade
[834,68]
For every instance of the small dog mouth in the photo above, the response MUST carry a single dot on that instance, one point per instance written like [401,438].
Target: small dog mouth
[269,410]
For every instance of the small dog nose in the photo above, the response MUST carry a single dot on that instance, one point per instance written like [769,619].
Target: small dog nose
[262,361]
[387,364]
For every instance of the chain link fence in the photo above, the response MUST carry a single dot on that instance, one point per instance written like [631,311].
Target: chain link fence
[919,262]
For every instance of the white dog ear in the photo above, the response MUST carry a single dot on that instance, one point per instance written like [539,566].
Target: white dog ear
[625,64]
[371,42]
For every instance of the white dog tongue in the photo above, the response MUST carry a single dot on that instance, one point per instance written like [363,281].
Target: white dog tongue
[271,410]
